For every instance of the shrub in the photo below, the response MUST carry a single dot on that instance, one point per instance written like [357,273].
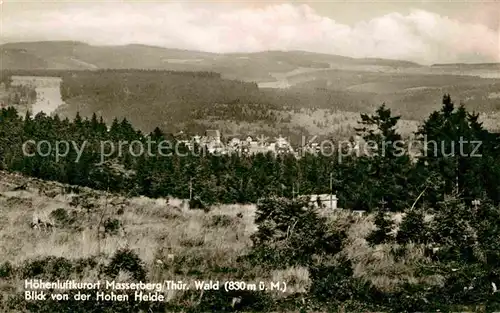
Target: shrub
[6,270]
[221,221]
[126,260]
[413,228]
[61,217]
[197,203]
[336,282]
[72,189]
[111,226]
[292,233]
[383,232]
[47,268]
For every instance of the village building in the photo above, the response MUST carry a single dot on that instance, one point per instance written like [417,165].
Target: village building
[282,146]
[212,141]
[213,136]
[235,142]
[197,139]
[322,201]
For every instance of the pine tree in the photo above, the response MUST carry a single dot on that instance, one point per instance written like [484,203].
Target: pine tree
[388,167]
[453,229]
[382,234]
[114,130]
[413,228]
[157,135]
[450,137]
[94,124]
[291,233]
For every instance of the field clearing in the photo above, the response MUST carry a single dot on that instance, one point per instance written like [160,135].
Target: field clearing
[325,122]
[48,92]
[491,121]
[48,100]
[158,218]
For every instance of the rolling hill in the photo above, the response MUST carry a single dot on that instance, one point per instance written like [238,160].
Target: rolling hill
[286,82]
[243,66]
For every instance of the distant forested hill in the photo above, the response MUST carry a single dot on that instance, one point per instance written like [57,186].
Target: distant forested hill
[315,80]
[192,101]
[196,101]
[243,66]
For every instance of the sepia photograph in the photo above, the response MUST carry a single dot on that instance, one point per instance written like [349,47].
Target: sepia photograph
[249,156]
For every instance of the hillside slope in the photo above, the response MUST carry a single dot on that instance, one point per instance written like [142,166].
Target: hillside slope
[89,227]
[246,66]
[24,200]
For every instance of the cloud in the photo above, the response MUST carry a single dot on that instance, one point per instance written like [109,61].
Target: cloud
[418,36]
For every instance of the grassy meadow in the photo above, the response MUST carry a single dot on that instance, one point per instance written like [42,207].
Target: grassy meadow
[172,241]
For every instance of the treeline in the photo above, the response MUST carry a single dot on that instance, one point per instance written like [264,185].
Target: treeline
[7,73]
[361,182]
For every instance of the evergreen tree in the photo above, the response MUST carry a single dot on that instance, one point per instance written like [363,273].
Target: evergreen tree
[413,228]
[114,130]
[382,234]
[388,165]
[461,152]
[292,233]
[94,124]
[78,121]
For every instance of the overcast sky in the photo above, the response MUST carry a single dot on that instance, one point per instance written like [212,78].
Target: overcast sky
[422,31]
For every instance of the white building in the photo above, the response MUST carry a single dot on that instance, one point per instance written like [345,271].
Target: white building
[325,201]
[213,135]
[235,142]
[281,142]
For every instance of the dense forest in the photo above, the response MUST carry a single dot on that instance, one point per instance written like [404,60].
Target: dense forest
[192,101]
[444,255]
[176,101]
[360,181]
